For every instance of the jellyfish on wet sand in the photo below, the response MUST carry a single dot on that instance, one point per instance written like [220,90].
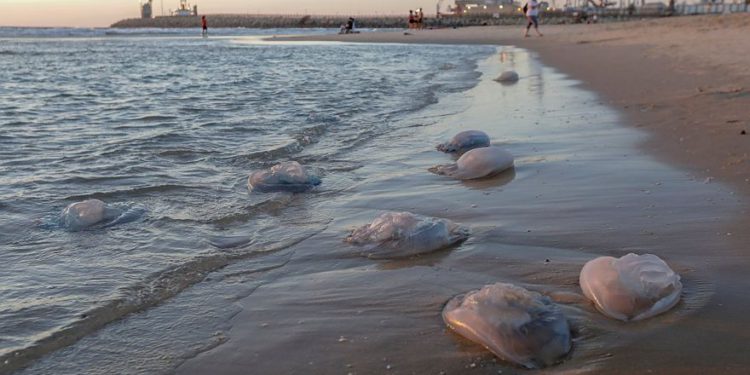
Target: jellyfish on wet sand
[507,76]
[403,234]
[477,163]
[465,141]
[287,176]
[633,287]
[515,324]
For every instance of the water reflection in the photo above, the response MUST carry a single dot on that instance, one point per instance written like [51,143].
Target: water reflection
[495,181]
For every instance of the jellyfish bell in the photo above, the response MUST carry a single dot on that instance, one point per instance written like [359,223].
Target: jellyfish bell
[507,76]
[477,163]
[84,214]
[630,288]
[465,141]
[515,324]
[403,234]
[287,176]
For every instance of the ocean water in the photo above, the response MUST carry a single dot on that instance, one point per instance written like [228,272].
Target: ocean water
[201,276]
[167,128]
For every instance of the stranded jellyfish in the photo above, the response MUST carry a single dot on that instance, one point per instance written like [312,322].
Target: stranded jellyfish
[507,76]
[84,214]
[465,141]
[633,287]
[287,176]
[477,163]
[403,234]
[515,324]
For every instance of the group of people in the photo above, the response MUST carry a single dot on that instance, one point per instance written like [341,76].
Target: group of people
[530,10]
[416,19]
[348,27]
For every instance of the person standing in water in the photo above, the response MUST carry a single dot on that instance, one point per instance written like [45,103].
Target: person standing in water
[204,23]
[532,15]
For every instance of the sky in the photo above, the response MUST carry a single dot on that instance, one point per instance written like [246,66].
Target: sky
[99,13]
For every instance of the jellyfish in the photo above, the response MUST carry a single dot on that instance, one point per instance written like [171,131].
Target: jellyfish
[287,176]
[507,76]
[84,214]
[633,287]
[403,234]
[515,324]
[477,163]
[465,141]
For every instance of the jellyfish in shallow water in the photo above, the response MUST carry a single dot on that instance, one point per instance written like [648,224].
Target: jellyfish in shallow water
[507,76]
[288,176]
[477,163]
[84,214]
[403,234]
[633,287]
[465,141]
[515,324]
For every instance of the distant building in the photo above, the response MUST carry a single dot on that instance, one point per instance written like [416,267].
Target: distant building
[185,10]
[147,9]
[469,7]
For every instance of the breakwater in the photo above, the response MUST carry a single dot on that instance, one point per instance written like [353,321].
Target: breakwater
[319,21]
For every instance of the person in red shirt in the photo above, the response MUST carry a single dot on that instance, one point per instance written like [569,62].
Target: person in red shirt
[204,23]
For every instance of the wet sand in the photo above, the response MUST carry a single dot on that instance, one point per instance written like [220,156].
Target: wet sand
[585,185]
[684,79]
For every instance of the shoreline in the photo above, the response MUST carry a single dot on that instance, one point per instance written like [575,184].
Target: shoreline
[673,111]
[578,191]
[566,213]
[683,82]
[265,21]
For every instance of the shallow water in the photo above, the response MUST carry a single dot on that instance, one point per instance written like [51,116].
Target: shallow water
[265,281]
[169,128]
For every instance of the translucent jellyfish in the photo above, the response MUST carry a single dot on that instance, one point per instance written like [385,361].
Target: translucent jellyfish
[84,214]
[287,176]
[633,287]
[508,76]
[403,234]
[515,324]
[465,141]
[477,163]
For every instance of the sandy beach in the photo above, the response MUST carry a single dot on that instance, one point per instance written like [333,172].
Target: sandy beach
[626,137]
[675,88]
[684,79]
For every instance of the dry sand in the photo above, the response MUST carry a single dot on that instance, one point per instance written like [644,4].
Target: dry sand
[682,81]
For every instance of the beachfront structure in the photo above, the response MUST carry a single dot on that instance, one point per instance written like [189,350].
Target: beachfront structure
[185,10]
[147,9]
[471,7]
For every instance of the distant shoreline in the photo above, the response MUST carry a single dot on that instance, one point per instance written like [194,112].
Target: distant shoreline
[319,21]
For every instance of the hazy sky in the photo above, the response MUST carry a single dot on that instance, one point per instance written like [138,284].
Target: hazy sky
[106,12]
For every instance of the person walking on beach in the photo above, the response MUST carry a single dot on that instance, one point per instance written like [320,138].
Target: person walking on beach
[532,15]
[412,20]
[204,23]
